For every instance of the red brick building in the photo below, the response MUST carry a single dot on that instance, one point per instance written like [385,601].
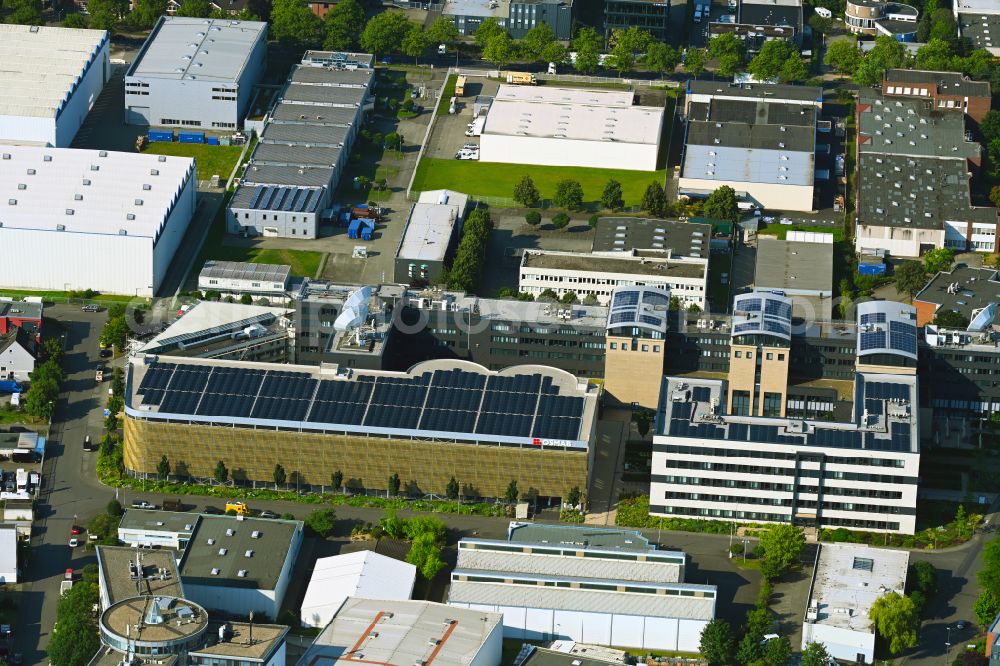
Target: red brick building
[21,314]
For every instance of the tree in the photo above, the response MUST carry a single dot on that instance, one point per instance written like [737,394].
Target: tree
[910,278]
[778,651]
[718,644]
[989,575]
[425,554]
[342,25]
[322,522]
[654,200]
[895,618]
[115,332]
[106,14]
[694,61]
[995,195]
[779,59]
[569,194]
[815,654]
[935,55]
[990,126]
[782,545]
[221,473]
[394,484]
[385,32]
[487,30]
[451,490]
[843,56]
[145,13]
[535,41]
[526,194]
[887,53]
[661,57]
[114,508]
[820,24]
[24,12]
[278,475]
[499,50]
[547,295]
[612,198]
[643,418]
[569,298]
[750,651]
[626,44]
[76,641]
[443,31]
[415,42]
[555,53]
[938,260]
[559,221]
[730,51]
[195,9]
[293,24]
[466,269]
[924,576]
[987,607]
[943,26]
[573,496]
[587,45]
[533,217]
[950,319]
[510,496]
[722,205]
[75,20]
[163,468]
[337,479]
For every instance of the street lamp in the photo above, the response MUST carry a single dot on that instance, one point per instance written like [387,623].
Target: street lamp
[947,642]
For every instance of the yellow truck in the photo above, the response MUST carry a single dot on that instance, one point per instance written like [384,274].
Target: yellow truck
[460,86]
[522,79]
[240,508]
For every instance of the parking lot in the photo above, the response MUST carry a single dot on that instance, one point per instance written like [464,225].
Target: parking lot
[449,136]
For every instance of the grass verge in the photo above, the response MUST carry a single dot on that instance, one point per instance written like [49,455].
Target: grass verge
[490,179]
[446,95]
[210,160]
[56,296]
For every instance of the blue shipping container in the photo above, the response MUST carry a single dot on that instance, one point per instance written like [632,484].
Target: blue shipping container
[353,229]
[213,140]
[871,269]
[7,386]
[161,135]
[191,137]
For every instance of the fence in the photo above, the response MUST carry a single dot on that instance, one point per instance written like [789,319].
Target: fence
[427,135]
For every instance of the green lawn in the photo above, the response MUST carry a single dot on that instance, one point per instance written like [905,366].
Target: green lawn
[488,179]
[61,295]
[449,91]
[210,160]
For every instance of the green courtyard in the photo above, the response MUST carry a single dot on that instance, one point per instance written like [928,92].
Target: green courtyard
[490,179]
[210,160]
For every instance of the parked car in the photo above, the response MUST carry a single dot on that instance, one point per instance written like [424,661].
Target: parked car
[92,308]
[100,373]
[268,514]
[76,530]
[106,352]
[471,146]
[87,444]
[74,542]
[213,511]
[142,504]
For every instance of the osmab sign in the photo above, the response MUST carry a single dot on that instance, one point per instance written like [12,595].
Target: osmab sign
[551,442]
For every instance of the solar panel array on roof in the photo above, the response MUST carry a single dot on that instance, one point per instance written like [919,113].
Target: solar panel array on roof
[452,401]
[872,318]
[638,306]
[903,337]
[872,340]
[887,391]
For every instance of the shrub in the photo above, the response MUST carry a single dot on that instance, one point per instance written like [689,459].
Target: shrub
[533,218]
[560,220]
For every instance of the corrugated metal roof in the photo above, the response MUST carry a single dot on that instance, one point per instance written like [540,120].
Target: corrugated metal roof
[303,133]
[555,565]
[195,48]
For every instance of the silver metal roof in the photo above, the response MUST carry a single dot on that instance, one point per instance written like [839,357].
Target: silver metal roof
[642,307]
[194,48]
[237,270]
[887,327]
[762,313]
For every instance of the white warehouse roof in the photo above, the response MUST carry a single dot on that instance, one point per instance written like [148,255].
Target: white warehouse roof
[195,48]
[428,231]
[41,66]
[364,574]
[89,191]
[580,114]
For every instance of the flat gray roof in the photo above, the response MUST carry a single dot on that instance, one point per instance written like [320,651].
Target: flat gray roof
[157,568]
[480,8]
[325,75]
[977,288]
[291,176]
[267,638]
[158,521]
[905,126]
[949,83]
[281,154]
[794,266]
[637,233]
[218,551]
[195,48]
[238,270]
[428,233]
[586,537]
[850,578]
[313,115]
[544,657]
[302,133]
[592,263]
[335,95]
[756,90]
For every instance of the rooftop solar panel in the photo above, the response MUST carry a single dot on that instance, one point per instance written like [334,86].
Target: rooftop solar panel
[625,298]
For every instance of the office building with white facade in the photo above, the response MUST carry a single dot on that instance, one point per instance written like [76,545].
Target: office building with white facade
[109,221]
[571,127]
[303,148]
[725,449]
[590,585]
[755,141]
[51,78]
[848,580]
[196,73]
[599,273]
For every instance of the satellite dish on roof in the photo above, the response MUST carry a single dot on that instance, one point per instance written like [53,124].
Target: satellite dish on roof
[355,309]
[983,318]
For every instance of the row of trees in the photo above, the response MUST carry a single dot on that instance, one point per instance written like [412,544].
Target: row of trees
[467,267]
[427,537]
[46,378]
[75,637]
[777,59]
